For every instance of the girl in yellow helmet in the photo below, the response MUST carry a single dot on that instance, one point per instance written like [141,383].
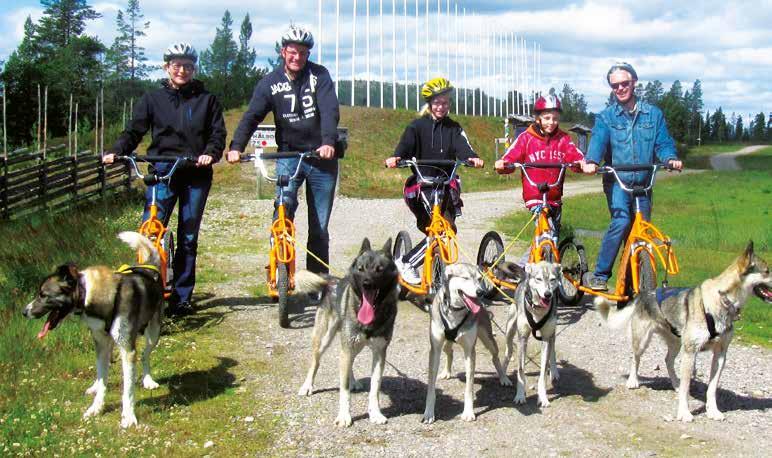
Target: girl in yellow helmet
[433,135]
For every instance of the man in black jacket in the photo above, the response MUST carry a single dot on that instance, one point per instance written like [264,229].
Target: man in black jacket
[305,108]
[186,120]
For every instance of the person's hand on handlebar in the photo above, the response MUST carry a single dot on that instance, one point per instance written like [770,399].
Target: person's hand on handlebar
[503,167]
[391,162]
[108,158]
[233,156]
[476,162]
[326,152]
[675,164]
[589,167]
[204,160]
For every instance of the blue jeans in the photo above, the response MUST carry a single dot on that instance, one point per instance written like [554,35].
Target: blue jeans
[621,206]
[191,187]
[320,176]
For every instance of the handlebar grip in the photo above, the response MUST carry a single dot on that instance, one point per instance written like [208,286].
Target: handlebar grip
[288,154]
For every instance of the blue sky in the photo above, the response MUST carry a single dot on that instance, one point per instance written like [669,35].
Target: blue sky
[726,44]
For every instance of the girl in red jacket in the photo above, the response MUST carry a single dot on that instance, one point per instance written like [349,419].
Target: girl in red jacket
[543,141]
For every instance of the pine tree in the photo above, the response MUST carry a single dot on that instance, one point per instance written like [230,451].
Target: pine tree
[738,128]
[62,21]
[757,131]
[653,92]
[126,57]
[217,62]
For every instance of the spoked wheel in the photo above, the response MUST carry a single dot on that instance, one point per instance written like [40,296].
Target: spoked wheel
[438,274]
[168,245]
[574,263]
[282,288]
[402,245]
[491,248]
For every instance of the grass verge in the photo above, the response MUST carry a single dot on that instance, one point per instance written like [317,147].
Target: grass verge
[710,216]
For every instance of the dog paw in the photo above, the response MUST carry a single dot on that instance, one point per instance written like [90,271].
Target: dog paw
[676,383]
[377,418]
[92,390]
[128,420]
[505,381]
[306,390]
[93,411]
[148,383]
[632,383]
[444,375]
[685,416]
[468,416]
[554,376]
[428,418]
[714,414]
[544,402]
[343,420]
[520,399]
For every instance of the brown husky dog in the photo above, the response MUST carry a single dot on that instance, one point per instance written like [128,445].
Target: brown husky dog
[692,320]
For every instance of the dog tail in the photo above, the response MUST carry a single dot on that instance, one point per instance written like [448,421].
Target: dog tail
[309,282]
[143,246]
[614,317]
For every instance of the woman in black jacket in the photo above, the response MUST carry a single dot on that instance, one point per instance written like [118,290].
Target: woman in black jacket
[185,120]
[433,135]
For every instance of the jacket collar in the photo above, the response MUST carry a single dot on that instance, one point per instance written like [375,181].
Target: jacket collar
[536,132]
[643,108]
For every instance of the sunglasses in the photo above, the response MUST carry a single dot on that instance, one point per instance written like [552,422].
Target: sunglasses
[621,85]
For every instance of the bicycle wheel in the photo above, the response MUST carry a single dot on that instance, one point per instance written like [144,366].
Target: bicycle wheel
[574,262]
[168,246]
[647,279]
[402,245]
[491,248]
[438,274]
[282,288]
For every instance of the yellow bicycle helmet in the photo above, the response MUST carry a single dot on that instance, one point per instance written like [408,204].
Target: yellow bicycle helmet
[435,87]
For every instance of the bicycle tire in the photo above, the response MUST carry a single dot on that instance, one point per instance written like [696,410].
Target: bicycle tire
[647,277]
[282,288]
[491,249]
[573,260]
[167,242]
[402,245]
[438,274]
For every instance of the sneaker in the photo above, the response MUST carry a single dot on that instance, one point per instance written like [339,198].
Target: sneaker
[408,273]
[180,309]
[595,283]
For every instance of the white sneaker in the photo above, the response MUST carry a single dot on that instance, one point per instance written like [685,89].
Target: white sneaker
[408,273]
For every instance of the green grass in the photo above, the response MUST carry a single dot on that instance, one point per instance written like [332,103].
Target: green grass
[760,160]
[204,393]
[698,157]
[710,216]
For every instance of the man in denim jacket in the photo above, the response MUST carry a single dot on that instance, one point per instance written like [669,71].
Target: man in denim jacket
[630,131]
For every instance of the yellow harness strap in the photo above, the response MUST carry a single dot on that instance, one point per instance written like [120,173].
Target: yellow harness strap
[127,269]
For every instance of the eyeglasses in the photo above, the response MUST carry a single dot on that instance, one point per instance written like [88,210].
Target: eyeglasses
[440,103]
[187,67]
[621,85]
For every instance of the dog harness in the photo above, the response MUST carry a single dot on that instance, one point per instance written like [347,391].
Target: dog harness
[148,270]
[528,316]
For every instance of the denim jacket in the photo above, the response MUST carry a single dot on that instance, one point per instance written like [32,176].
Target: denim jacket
[621,139]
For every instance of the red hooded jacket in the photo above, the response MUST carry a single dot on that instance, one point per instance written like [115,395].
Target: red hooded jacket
[531,146]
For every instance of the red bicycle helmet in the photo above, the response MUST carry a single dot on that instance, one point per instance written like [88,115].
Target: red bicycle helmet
[547,102]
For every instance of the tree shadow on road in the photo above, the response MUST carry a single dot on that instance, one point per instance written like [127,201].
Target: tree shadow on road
[301,312]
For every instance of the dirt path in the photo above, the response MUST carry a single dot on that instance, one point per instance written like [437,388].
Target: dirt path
[726,161]
[592,413]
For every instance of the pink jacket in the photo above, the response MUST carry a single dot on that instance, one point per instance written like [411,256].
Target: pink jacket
[530,146]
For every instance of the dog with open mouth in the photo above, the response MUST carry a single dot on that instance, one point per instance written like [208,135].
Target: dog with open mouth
[362,306]
[117,306]
[534,313]
[457,316]
[691,320]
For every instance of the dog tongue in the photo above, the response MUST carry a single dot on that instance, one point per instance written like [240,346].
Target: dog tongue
[366,313]
[44,331]
[473,305]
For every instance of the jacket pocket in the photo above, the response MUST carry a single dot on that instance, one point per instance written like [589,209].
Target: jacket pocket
[646,131]
[619,133]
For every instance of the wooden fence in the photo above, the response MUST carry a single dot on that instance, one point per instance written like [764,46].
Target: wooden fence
[32,182]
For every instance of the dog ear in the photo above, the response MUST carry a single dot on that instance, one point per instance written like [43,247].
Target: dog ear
[514,271]
[749,249]
[746,258]
[387,248]
[365,246]
[68,272]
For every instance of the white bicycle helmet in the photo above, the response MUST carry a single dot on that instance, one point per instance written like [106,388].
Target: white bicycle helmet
[180,50]
[298,35]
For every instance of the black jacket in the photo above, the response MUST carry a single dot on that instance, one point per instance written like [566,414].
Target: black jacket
[425,138]
[185,121]
[305,110]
